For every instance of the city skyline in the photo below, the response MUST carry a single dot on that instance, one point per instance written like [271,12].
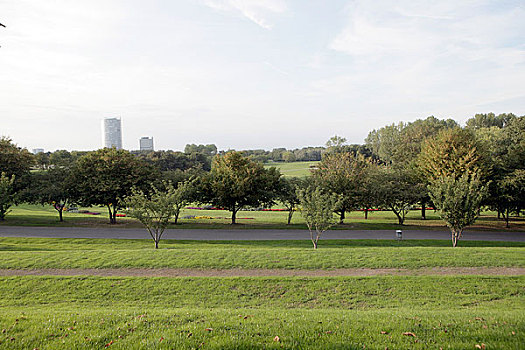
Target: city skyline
[244,74]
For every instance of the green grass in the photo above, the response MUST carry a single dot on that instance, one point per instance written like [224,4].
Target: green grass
[247,313]
[34,253]
[293,169]
[35,215]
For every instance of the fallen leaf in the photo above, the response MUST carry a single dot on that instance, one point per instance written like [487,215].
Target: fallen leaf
[513,333]
[384,332]
[108,344]
[482,346]
[189,335]
[410,334]
[277,338]
[161,339]
[328,332]
[479,319]
[209,329]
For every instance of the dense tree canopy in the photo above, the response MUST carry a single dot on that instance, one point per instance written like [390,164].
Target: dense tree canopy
[15,161]
[236,182]
[342,174]
[453,152]
[106,176]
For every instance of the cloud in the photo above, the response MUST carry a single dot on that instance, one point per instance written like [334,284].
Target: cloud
[257,11]
[445,55]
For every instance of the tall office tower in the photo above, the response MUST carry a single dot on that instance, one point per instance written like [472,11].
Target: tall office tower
[146,143]
[112,133]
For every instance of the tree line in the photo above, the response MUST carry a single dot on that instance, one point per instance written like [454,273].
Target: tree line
[428,162]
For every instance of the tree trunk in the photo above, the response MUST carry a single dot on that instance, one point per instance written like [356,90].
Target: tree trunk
[342,216]
[423,211]
[366,213]
[290,213]
[455,237]
[315,243]
[400,219]
[156,244]
[234,215]
[60,214]
[176,217]
[507,218]
[110,214]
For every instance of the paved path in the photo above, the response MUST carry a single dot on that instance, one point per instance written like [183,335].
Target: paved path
[243,234]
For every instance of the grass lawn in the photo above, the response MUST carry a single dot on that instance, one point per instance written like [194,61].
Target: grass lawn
[394,312]
[293,169]
[247,313]
[35,253]
[36,215]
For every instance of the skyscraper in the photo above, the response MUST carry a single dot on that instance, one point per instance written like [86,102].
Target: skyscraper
[112,133]
[146,143]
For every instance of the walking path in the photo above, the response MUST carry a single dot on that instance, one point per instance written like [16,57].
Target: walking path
[246,234]
[170,272]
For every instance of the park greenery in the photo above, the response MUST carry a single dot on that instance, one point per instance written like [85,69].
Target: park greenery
[420,294]
[426,163]
[330,312]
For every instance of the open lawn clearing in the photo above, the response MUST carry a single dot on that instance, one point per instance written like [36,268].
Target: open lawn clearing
[293,169]
[52,253]
[36,215]
[494,271]
[247,313]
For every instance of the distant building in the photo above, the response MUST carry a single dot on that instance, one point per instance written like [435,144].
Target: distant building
[146,143]
[38,150]
[112,133]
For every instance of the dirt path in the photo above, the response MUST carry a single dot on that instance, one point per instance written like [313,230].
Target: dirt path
[266,272]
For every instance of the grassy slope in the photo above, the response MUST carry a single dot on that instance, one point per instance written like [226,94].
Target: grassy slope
[91,253]
[34,215]
[245,313]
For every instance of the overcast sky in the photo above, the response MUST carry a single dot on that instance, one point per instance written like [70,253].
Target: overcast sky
[254,73]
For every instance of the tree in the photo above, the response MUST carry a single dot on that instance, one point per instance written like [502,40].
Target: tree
[153,211]
[61,158]
[15,161]
[106,176]
[397,189]
[342,174]
[458,200]
[182,195]
[52,186]
[335,144]
[287,194]
[317,208]
[489,120]
[453,152]
[236,182]
[401,143]
[7,194]
[511,194]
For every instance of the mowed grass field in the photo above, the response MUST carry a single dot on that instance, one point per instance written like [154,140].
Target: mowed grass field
[394,312]
[293,169]
[37,215]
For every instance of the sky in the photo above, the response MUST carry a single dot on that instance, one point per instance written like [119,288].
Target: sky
[249,74]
